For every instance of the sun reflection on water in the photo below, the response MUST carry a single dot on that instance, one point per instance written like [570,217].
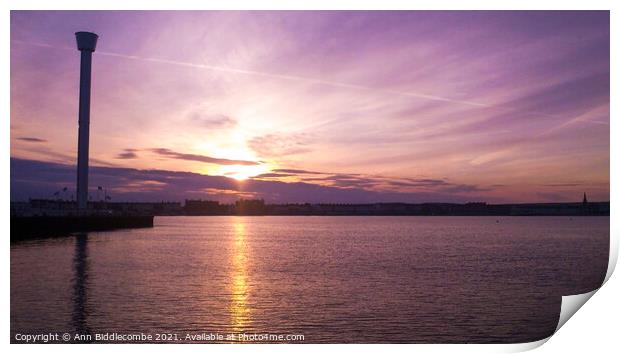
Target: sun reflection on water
[240,311]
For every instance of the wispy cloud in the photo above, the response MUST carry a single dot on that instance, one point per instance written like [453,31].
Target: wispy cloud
[127,154]
[201,158]
[292,78]
[273,175]
[39,179]
[373,182]
[276,145]
[307,80]
[213,121]
[31,139]
[297,171]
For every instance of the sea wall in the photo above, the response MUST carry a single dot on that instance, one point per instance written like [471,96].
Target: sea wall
[29,227]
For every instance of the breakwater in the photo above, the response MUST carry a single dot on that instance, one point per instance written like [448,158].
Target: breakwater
[30,227]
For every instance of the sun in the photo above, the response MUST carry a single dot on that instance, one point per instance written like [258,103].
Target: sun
[233,147]
[242,173]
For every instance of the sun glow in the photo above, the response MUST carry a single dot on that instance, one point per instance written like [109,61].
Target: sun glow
[241,173]
[234,148]
[240,311]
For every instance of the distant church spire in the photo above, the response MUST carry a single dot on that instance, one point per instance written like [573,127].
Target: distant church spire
[585,199]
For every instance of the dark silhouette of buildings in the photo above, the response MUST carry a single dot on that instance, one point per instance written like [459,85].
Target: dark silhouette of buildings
[56,207]
[258,207]
[205,207]
[250,207]
[49,207]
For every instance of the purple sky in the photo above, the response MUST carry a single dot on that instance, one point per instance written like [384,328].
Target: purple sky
[317,106]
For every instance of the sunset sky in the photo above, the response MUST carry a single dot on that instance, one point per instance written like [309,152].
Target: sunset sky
[317,106]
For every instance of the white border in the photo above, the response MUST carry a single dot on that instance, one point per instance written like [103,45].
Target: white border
[595,326]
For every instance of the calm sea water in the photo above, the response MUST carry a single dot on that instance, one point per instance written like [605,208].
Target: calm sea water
[330,279]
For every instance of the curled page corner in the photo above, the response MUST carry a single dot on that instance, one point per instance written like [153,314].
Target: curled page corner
[523,347]
[571,304]
[613,257]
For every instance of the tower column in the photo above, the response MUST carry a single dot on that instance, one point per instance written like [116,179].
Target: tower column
[86,43]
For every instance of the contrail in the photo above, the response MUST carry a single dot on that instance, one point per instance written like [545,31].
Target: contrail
[38,44]
[292,78]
